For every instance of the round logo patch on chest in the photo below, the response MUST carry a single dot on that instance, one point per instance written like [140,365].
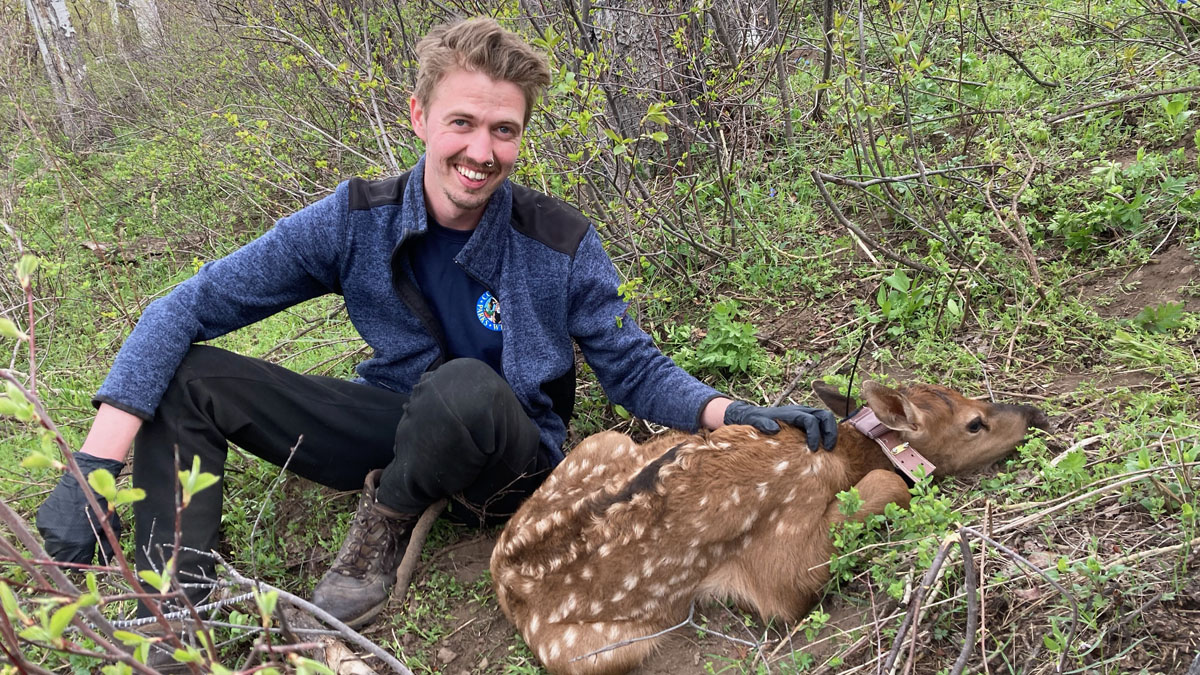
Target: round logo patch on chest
[487,308]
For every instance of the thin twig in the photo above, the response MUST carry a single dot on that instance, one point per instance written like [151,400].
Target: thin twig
[1040,572]
[300,603]
[915,605]
[819,179]
[972,585]
[1118,101]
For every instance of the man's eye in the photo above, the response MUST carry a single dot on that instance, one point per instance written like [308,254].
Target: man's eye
[505,131]
[459,123]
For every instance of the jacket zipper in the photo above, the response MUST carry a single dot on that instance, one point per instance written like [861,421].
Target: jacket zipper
[411,296]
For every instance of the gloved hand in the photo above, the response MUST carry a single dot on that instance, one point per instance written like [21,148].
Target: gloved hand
[820,426]
[67,524]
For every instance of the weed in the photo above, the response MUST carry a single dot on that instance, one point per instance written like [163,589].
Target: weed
[1163,318]
[729,345]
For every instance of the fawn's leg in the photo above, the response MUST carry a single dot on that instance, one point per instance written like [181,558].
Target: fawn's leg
[877,489]
[562,647]
[784,569]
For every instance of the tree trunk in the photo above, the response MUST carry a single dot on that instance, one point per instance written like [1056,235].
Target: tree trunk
[149,24]
[64,65]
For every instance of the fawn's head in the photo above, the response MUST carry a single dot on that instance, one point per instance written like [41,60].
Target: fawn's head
[956,433]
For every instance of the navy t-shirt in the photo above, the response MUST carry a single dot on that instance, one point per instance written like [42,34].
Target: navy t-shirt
[469,314]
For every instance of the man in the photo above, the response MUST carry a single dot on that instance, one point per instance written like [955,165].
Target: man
[455,401]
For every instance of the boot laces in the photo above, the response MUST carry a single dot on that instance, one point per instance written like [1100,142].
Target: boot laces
[371,543]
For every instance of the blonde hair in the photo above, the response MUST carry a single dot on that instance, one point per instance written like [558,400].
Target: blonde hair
[480,45]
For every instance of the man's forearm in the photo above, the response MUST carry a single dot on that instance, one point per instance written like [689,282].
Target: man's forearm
[713,415]
[111,434]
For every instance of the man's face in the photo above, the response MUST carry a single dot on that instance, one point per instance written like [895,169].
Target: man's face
[471,120]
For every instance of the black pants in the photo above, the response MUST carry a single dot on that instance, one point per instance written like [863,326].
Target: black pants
[461,434]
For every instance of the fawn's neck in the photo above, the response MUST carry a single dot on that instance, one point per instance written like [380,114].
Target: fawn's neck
[861,454]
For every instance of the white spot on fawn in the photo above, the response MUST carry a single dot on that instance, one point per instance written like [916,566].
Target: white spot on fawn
[782,466]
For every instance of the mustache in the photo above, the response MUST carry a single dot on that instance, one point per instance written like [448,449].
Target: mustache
[473,165]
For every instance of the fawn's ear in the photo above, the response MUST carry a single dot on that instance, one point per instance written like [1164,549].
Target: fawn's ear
[836,401]
[891,407]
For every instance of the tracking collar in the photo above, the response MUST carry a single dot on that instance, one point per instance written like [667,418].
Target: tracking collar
[899,452]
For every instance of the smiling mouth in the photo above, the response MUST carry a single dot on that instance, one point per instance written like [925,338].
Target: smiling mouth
[469,174]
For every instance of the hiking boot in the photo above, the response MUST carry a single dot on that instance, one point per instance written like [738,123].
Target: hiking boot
[357,586]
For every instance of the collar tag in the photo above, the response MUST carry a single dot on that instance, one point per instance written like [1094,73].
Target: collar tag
[901,454]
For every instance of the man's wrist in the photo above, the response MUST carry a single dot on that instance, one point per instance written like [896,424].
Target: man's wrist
[713,416]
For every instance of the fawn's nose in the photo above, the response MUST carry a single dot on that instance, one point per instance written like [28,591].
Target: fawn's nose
[1036,417]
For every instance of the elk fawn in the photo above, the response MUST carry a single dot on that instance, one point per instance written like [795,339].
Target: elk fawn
[622,538]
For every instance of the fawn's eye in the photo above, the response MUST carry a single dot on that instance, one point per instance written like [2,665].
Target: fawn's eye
[976,425]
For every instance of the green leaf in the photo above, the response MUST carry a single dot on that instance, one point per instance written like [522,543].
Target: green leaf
[61,619]
[117,669]
[103,483]
[35,634]
[309,667]
[204,480]
[128,638]
[188,655]
[9,329]
[659,136]
[266,602]
[37,460]
[129,495]
[26,267]
[9,601]
[15,392]
[158,581]
[9,407]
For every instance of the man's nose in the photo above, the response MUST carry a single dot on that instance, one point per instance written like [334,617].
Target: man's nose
[479,147]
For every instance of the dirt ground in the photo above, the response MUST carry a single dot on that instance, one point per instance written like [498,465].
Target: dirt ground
[1164,638]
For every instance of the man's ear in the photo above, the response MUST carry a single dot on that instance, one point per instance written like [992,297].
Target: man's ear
[836,401]
[891,407]
[416,115]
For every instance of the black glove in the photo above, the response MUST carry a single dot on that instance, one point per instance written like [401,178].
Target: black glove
[67,524]
[820,426]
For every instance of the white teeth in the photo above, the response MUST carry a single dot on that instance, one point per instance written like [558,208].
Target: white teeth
[473,175]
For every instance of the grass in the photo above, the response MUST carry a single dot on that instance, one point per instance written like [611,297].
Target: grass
[736,267]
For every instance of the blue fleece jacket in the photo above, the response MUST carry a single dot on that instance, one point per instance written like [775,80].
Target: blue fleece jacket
[541,259]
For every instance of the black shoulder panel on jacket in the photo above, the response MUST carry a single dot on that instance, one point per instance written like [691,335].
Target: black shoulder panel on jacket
[368,194]
[548,220]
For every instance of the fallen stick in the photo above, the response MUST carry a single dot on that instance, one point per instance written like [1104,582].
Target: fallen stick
[412,554]
[1118,101]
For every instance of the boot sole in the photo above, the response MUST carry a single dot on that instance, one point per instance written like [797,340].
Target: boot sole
[367,616]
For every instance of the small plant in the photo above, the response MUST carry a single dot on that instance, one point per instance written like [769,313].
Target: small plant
[911,304]
[730,344]
[1162,318]
[1171,116]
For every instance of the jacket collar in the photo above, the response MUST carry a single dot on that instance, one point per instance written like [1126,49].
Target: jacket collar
[481,254]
